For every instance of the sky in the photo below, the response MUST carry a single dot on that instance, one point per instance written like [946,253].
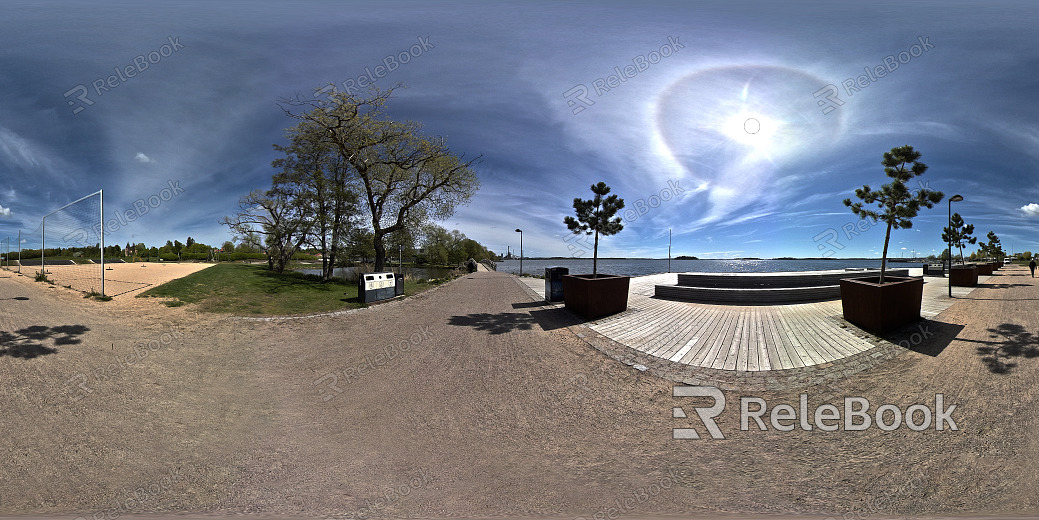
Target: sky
[737,127]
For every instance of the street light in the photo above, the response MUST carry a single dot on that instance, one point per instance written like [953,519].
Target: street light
[520,231]
[954,198]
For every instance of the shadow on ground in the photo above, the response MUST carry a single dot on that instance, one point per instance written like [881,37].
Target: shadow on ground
[927,337]
[1007,343]
[501,323]
[29,342]
[1003,285]
[551,318]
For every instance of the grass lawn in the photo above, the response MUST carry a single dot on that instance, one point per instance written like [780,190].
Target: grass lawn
[247,289]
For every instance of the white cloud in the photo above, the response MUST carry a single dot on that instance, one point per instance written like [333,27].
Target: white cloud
[1031,210]
[143,158]
[5,212]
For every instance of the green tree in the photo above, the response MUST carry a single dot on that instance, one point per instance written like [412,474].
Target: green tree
[959,234]
[596,216]
[360,245]
[993,249]
[896,205]
[312,168]
[1027,255]
[401,175]
[436,242]
[401,242]
[228,247]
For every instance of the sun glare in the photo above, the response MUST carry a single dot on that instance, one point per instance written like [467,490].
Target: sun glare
[751,129]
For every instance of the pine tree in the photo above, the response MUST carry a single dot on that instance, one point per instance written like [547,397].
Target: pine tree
[897,206]
[959,234]
[596,216]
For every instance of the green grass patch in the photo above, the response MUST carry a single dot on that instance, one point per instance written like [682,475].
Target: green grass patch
[254,290]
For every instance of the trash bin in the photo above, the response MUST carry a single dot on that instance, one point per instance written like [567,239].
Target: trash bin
[376,286]
[554,283]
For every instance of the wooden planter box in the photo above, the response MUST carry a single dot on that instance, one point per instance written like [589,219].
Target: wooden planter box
[594,297]
[963,276]
[984,269]
[881,308]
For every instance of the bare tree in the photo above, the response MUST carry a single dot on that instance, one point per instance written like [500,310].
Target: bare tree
[276,217]
[401,175]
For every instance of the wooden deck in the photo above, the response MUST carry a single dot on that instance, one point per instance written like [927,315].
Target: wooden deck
[743,338]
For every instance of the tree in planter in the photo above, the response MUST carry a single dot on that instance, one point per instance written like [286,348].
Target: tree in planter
[959,234]
[993,249]
[897,206]
[596,216]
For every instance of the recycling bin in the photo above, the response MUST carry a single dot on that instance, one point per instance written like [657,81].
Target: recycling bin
[554,283]
[373,287]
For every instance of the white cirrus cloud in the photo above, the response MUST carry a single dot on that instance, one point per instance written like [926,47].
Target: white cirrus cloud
[143,158]
[1030,210]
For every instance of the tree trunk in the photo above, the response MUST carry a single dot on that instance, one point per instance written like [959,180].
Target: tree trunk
[595,256]
[883,258]
[380,253]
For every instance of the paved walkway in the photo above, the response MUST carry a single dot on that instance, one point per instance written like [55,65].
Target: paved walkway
[731,345]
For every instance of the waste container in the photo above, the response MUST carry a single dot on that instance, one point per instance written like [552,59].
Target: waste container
[554,283]
[376,286]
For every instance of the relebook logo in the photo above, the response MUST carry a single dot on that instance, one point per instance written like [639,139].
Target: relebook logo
[858,414]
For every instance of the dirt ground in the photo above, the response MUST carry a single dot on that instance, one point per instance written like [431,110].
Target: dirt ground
[472,401]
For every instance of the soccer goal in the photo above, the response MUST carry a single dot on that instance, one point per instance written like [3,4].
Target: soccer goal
[72,245]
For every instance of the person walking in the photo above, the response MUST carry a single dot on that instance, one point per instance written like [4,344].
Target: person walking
[1031,265]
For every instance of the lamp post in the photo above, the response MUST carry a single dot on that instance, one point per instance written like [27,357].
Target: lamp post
[954,198]
[520,231]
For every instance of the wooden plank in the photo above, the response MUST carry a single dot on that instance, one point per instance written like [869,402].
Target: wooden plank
[764,363]
[768,354]
[673,333]
[797,343]
[734,335]
[718,337]
[816,347]
[789,358]
[692,321]
[754,348]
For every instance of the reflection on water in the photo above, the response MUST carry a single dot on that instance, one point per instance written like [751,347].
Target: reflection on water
[350,273]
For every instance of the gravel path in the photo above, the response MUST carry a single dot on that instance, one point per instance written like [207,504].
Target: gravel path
[472,401]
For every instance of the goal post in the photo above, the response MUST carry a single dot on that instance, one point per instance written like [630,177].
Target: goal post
[73,237]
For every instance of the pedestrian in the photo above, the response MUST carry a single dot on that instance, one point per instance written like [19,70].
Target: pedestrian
[1031,265]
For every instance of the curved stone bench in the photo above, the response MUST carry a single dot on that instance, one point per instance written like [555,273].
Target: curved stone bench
[763,288]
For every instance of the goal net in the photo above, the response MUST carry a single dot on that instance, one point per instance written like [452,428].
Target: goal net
[71,245]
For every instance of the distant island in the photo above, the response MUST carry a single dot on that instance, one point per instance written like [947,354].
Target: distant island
[684,257]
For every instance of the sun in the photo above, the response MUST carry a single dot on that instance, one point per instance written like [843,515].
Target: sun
[751,129]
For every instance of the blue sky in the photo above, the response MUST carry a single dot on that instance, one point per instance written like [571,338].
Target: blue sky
[718,111]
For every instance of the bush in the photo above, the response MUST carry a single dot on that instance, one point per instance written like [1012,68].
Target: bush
[168,257]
